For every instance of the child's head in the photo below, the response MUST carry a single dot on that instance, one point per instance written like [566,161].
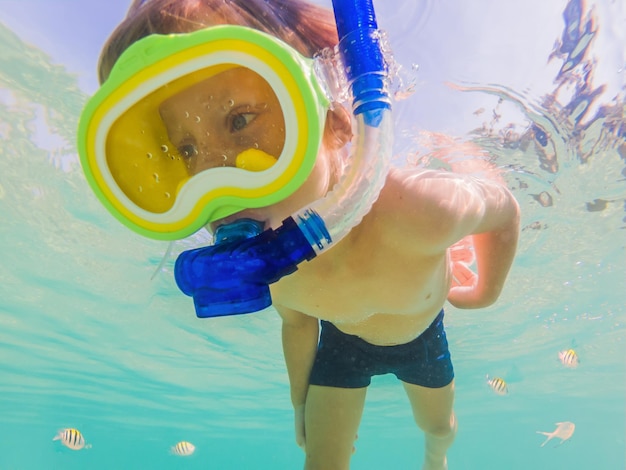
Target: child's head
[307,28]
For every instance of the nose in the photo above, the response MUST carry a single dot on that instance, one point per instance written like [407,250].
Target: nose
[213,152]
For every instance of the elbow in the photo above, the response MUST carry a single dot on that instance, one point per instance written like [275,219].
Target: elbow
[464,298]
[514,211]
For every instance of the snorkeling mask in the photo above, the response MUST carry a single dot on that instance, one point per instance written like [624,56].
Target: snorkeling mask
[191,128]
[151,169]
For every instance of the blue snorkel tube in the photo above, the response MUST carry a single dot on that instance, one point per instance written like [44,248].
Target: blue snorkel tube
[233,276]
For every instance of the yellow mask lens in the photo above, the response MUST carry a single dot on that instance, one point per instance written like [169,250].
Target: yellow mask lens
[197,123]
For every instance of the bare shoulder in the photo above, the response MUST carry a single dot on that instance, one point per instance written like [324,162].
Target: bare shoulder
[426,182]
[433,209]
[411,207]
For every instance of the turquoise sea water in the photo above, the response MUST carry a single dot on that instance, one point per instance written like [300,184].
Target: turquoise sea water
[89,340]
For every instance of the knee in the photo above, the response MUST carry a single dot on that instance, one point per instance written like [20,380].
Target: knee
[444,429]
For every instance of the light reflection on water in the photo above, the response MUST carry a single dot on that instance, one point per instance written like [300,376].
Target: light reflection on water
[86,338]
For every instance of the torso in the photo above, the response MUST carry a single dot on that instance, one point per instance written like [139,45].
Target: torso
[370,286]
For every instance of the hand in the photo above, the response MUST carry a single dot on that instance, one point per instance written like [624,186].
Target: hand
[463,292]
[466,291]
[463,252]
[300,431]
[299,426]
[462,275]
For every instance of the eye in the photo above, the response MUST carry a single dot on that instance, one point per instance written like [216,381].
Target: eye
[188,150]
[240,121]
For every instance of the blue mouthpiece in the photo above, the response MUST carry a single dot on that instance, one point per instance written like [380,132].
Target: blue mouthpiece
[233,276]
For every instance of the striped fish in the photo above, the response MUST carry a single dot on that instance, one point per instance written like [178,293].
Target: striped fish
[498,385]
[183,449]
[569,358]
[71,438]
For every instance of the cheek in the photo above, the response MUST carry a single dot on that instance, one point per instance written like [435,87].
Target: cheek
[244,142]
[266,137]
[316,185]
[272,139]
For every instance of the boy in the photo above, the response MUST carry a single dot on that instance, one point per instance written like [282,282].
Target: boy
[380,291]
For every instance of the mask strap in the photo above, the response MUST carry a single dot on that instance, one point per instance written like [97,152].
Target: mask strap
[166,255]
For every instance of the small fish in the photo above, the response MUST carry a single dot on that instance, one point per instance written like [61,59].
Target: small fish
[563,431]
[183,449]
[71,438]
[498,385]
[569,358]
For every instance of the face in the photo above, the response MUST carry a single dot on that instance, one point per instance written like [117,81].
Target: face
[212,122]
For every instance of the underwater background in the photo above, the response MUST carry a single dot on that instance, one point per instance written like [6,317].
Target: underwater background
[91,339]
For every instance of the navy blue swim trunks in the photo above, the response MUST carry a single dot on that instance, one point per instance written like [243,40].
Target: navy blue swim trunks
[347,361]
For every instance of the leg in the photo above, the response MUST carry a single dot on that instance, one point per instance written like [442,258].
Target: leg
[432,410]
[332,418]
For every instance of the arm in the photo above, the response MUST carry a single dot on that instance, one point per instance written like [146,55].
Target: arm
[495,251]
[300,336]
[495,239]
[440,208]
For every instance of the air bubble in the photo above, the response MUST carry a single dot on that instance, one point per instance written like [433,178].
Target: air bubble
[149,155]
[231,103]
[186,114]
[156,177]
[164,148]
[167,195]
[140,189]
[198,119]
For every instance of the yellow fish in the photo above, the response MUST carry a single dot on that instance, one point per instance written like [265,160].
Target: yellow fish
[569,358]
[183,449]
[498,385]
[563,431]
[71,438]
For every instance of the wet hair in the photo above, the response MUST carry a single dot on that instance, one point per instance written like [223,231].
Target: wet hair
[307,28]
